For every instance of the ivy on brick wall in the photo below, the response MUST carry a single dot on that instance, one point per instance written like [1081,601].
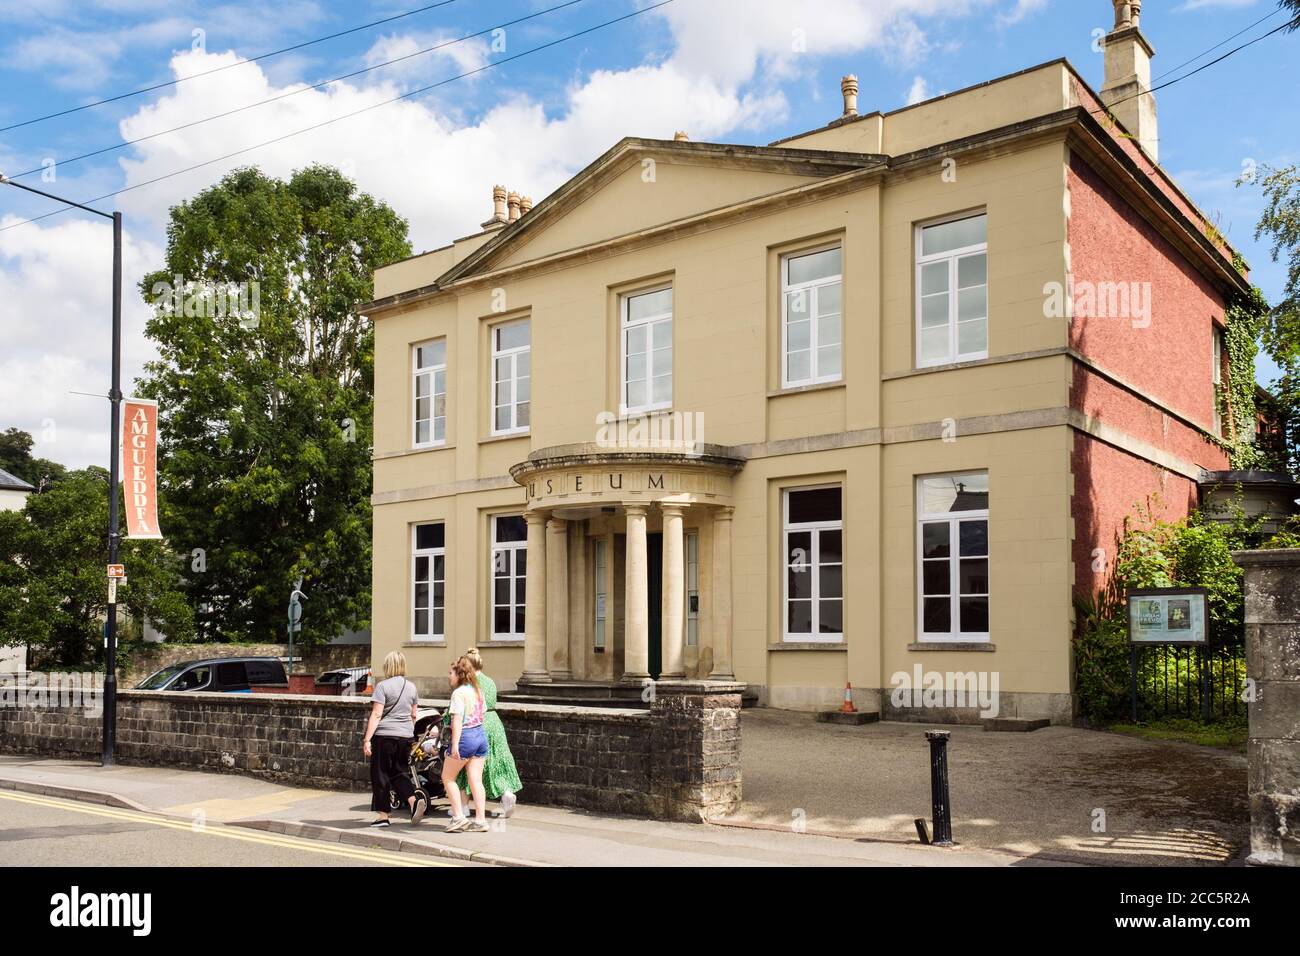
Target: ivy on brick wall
[1244,318]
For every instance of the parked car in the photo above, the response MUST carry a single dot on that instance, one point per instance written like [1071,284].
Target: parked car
[352,680]
[229,675]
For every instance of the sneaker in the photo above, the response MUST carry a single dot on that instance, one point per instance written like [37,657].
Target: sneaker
[478,826]
[417,811]
[379,824]
[507,803]
[457,823]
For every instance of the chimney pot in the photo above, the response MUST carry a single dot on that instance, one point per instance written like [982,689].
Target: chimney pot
[1126,90]
[525,204]
[512,200]
[680,136]
[849,87]
[498,217]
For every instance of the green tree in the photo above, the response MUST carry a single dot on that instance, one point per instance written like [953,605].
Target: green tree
[53,589]
[16,458]
[1280,331]
[265,410]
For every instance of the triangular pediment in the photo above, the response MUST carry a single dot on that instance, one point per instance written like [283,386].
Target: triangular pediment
[643,184]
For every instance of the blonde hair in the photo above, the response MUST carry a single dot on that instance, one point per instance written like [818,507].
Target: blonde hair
[465,674]
[472,655]
[394,665]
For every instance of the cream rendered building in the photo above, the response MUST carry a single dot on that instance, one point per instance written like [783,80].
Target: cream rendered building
[794,414]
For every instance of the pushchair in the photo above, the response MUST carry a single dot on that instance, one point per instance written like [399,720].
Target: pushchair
[425,761]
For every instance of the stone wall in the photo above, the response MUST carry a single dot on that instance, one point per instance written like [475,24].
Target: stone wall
[680,760]
[1273,665]
[311,660]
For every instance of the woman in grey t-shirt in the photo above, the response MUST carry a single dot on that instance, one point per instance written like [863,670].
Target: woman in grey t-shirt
[389,734]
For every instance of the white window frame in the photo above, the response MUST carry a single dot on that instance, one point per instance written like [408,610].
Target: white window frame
[513,354]
[431,373]
[953,519]
[432,636]
[691,555]
[812,288]
[953,256]
[511,551]
[814,561]
[649,322]
[1216,375]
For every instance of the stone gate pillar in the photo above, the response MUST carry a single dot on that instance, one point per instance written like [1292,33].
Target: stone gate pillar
[1273,666]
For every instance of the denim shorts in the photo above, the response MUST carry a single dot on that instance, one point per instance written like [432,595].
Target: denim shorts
[473,742]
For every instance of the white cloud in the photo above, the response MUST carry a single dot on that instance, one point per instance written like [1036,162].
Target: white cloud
[56,286]
[464,56]
[918,91]
[723,74]
[1022,9]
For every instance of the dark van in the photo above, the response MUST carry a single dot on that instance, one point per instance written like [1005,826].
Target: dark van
[226,675]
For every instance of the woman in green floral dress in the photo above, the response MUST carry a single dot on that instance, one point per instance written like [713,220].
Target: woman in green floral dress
[500,778]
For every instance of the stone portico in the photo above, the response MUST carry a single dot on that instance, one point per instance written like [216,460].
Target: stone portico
[639,506]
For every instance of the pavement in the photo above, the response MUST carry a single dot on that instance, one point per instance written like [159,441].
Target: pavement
[814,795]
[1043,795]
[533,836]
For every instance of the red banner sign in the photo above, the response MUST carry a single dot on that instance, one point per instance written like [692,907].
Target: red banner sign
[140,467]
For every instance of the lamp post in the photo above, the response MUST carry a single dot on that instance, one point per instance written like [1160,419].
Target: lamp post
[115,404]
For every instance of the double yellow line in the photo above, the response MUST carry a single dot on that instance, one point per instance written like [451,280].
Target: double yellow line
[386,858]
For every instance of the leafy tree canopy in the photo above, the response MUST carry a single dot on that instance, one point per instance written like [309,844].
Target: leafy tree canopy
[264,384]
[16,458]
[53,591]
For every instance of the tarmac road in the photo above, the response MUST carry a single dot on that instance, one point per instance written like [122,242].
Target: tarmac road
[47,831]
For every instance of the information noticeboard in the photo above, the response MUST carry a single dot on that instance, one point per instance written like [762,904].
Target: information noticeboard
[1168,615]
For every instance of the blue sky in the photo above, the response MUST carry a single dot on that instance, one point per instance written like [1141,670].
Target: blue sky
[720,69]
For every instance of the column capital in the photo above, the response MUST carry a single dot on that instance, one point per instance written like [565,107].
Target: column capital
[638,511]
[672,508]
[536,517]
[557,525]
[723,512]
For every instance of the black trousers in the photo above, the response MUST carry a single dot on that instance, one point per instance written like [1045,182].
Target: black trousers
[390,770]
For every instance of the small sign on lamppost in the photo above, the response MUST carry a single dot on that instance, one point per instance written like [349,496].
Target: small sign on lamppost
[1178,617]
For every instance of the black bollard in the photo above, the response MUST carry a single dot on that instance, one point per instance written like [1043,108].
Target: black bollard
[940,807]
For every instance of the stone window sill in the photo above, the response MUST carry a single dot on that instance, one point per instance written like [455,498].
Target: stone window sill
[512,642]
[404,452]
[797,389]
[809,646]
[981,646]
[424,643]
[509,436]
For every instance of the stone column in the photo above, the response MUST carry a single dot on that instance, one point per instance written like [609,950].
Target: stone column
[674,594]
[636,601]
[557,600]
[1272,585]
[723,668]
[535,601]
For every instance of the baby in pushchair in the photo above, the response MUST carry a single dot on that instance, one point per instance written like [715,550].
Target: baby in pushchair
[425,765]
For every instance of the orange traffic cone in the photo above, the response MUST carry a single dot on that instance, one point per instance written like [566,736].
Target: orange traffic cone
[847,707]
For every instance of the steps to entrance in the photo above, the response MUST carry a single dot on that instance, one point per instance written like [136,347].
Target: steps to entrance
[1015,724]
[589,694]
[856,718]
[577,694]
